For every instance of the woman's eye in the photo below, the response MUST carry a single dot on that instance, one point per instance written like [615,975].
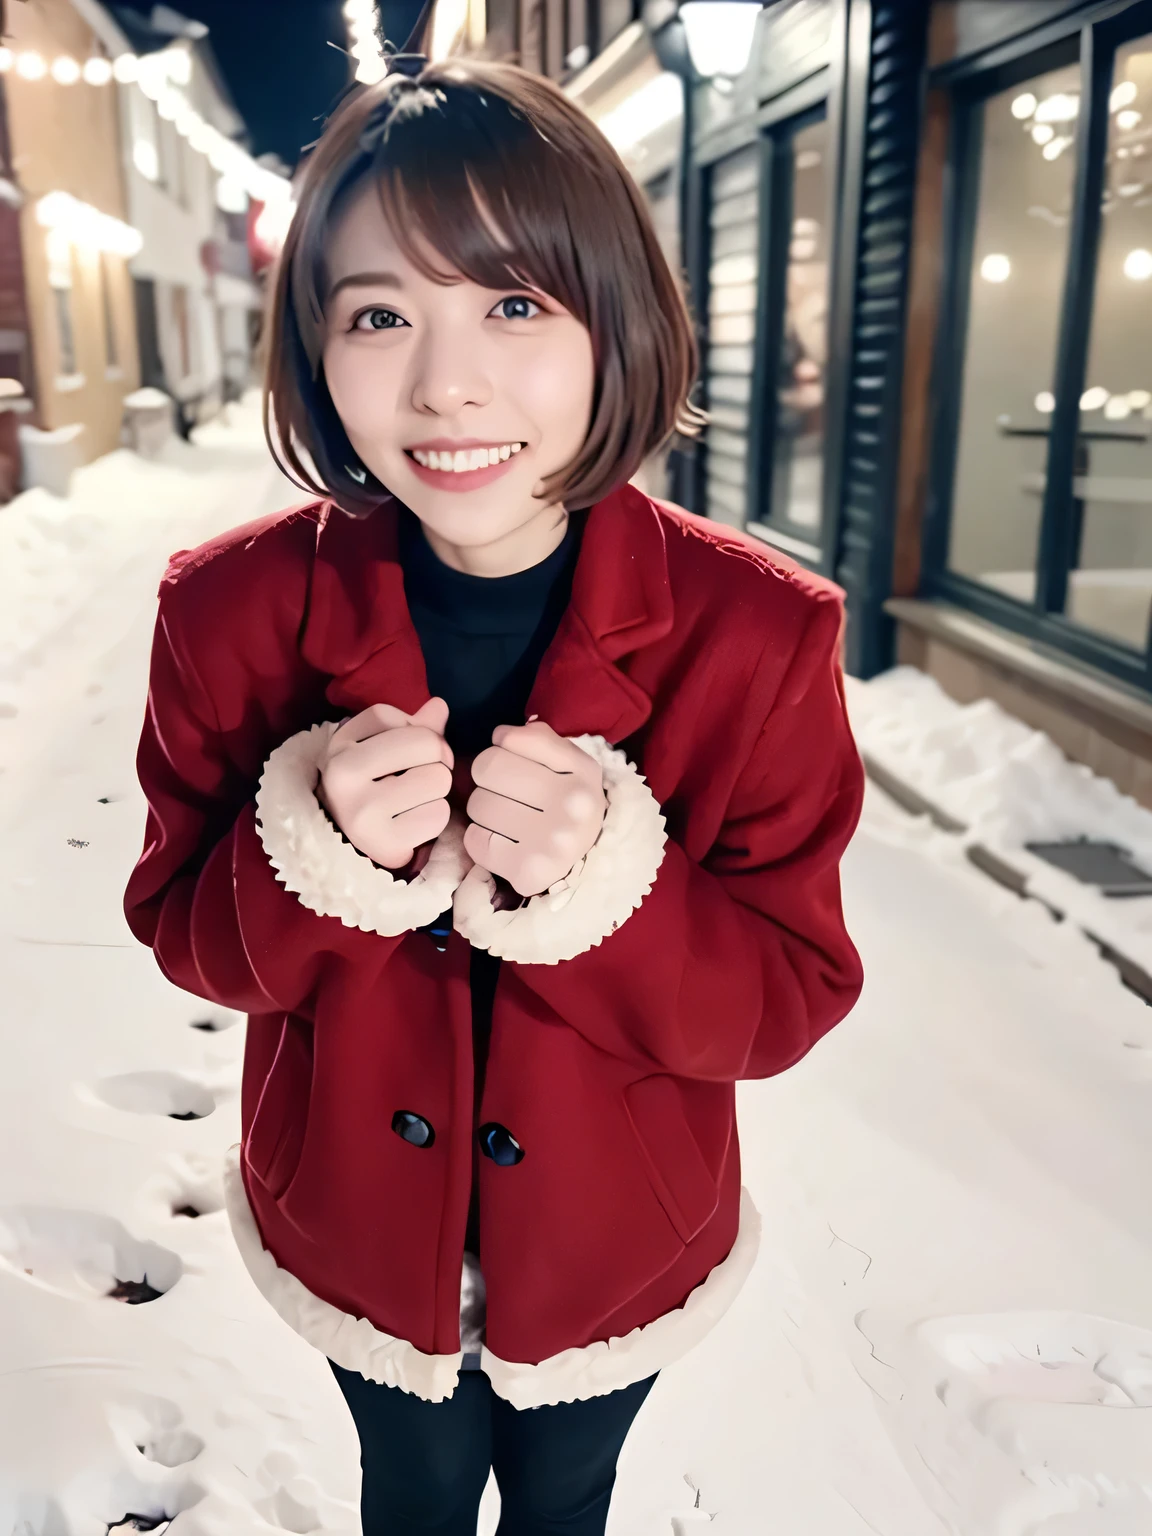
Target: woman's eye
[377,320]
[517,308]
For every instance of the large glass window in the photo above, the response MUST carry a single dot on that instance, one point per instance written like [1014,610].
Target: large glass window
[1025,140]
[1048,420]
[796,403]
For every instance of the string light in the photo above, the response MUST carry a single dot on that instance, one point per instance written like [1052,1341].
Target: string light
[67,217]
[159,75]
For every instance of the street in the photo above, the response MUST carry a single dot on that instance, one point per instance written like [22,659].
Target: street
[950,1325]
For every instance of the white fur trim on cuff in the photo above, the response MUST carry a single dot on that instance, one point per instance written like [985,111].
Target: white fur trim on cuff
[596,898]
[351,1341]
[329,875]
[575,1374]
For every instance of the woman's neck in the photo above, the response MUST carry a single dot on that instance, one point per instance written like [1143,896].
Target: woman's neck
[519,550]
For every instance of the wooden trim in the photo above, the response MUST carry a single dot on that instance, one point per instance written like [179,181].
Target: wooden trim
[1090,690]
[925,291]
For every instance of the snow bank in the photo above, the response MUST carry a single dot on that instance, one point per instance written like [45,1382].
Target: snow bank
[1010,785]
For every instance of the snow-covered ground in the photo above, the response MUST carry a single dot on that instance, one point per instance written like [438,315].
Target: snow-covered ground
[950,1326]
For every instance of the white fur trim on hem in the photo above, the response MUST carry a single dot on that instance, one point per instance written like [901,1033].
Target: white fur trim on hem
[580,912]
[350,1341]
[328,875]
[596,1369]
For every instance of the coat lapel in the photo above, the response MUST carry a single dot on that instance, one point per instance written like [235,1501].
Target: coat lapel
[358,630]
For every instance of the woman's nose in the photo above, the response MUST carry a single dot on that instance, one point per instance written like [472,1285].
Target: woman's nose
[448,375]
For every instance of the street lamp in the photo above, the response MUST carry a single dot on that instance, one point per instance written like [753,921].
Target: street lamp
[719,35]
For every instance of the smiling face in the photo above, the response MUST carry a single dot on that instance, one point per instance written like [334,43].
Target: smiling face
[460,399]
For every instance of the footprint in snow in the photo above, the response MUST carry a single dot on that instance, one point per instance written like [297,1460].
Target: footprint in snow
[1050,1392]
[189,1187]
[83,1255]
[157,1093]
[214,1023]
[292,1502]
[154,1428]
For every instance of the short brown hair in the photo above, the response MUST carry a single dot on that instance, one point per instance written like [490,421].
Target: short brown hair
[506,180]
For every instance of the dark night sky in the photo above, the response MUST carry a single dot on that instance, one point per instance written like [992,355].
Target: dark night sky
[274,56]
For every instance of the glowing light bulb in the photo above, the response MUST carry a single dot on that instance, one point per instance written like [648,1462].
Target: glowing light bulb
[97,71]
[126,68]
[1093,399]
[1128,119]
[1138,265]
[1122,96]
[7,59]
[65,71]
[30,66]
[1043,133]
[1045,402]
[1024,106]
[996,268]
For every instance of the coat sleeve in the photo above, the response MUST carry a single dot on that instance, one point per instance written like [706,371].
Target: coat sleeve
[735,967]
[204,895]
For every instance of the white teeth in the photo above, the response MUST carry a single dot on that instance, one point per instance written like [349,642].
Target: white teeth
[464,459]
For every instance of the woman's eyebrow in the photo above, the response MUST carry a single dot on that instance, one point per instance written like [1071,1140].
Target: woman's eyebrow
[367,280]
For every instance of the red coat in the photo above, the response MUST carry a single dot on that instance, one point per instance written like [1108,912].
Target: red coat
[620,1235]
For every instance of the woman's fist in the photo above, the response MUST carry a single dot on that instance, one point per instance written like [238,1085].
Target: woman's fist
[537,808]
[385,778]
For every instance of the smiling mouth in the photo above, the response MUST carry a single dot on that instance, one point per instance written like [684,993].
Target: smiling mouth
[463,460]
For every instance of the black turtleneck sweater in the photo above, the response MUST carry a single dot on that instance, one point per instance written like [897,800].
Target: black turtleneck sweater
[483,638]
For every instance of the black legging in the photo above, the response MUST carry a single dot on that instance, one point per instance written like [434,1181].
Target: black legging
[425,1465]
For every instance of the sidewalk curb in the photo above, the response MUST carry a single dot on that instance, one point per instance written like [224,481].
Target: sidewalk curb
[998,868]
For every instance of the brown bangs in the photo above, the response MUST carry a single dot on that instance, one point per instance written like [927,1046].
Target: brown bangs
[486,172]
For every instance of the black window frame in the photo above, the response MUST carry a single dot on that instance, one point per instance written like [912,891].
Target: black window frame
[779,123]
[1090,37]
[775,121]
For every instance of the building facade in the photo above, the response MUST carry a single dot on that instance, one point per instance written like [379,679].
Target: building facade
[917,239]
[70,338]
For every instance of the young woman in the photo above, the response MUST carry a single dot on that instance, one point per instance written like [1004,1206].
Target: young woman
[507,802]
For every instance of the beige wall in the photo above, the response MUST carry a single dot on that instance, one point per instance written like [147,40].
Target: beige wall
[66,138]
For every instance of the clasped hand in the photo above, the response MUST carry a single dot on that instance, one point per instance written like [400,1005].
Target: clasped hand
[536,810]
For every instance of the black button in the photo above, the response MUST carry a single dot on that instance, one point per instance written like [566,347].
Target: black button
[413,1129]
[500,1145]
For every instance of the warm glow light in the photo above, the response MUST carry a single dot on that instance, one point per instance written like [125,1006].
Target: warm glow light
[179,63]
[30,66]
[146,160]
[719,34]
[1138,265]
[65,71]
[1118,408]
[1140,399]
[231,195]
[272,225]
[187,121]
[86,226]
[1045,402]
[1122,96]
[97,71]
[1024,106]
[152,76]
[126,68]
[6,60]
[1092,399]
[1057,147]
[448,21]
[356,10]
[1043,133]
[170,105]
[1127,120]
[659,101]
[995,268]
[372,71]
[1060,108]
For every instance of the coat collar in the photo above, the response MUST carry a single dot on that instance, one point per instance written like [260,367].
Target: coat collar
[359,632]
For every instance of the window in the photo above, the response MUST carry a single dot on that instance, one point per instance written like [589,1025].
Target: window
[65,331]
[1041,512]
[111,344]
[733,251]
[795,340]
